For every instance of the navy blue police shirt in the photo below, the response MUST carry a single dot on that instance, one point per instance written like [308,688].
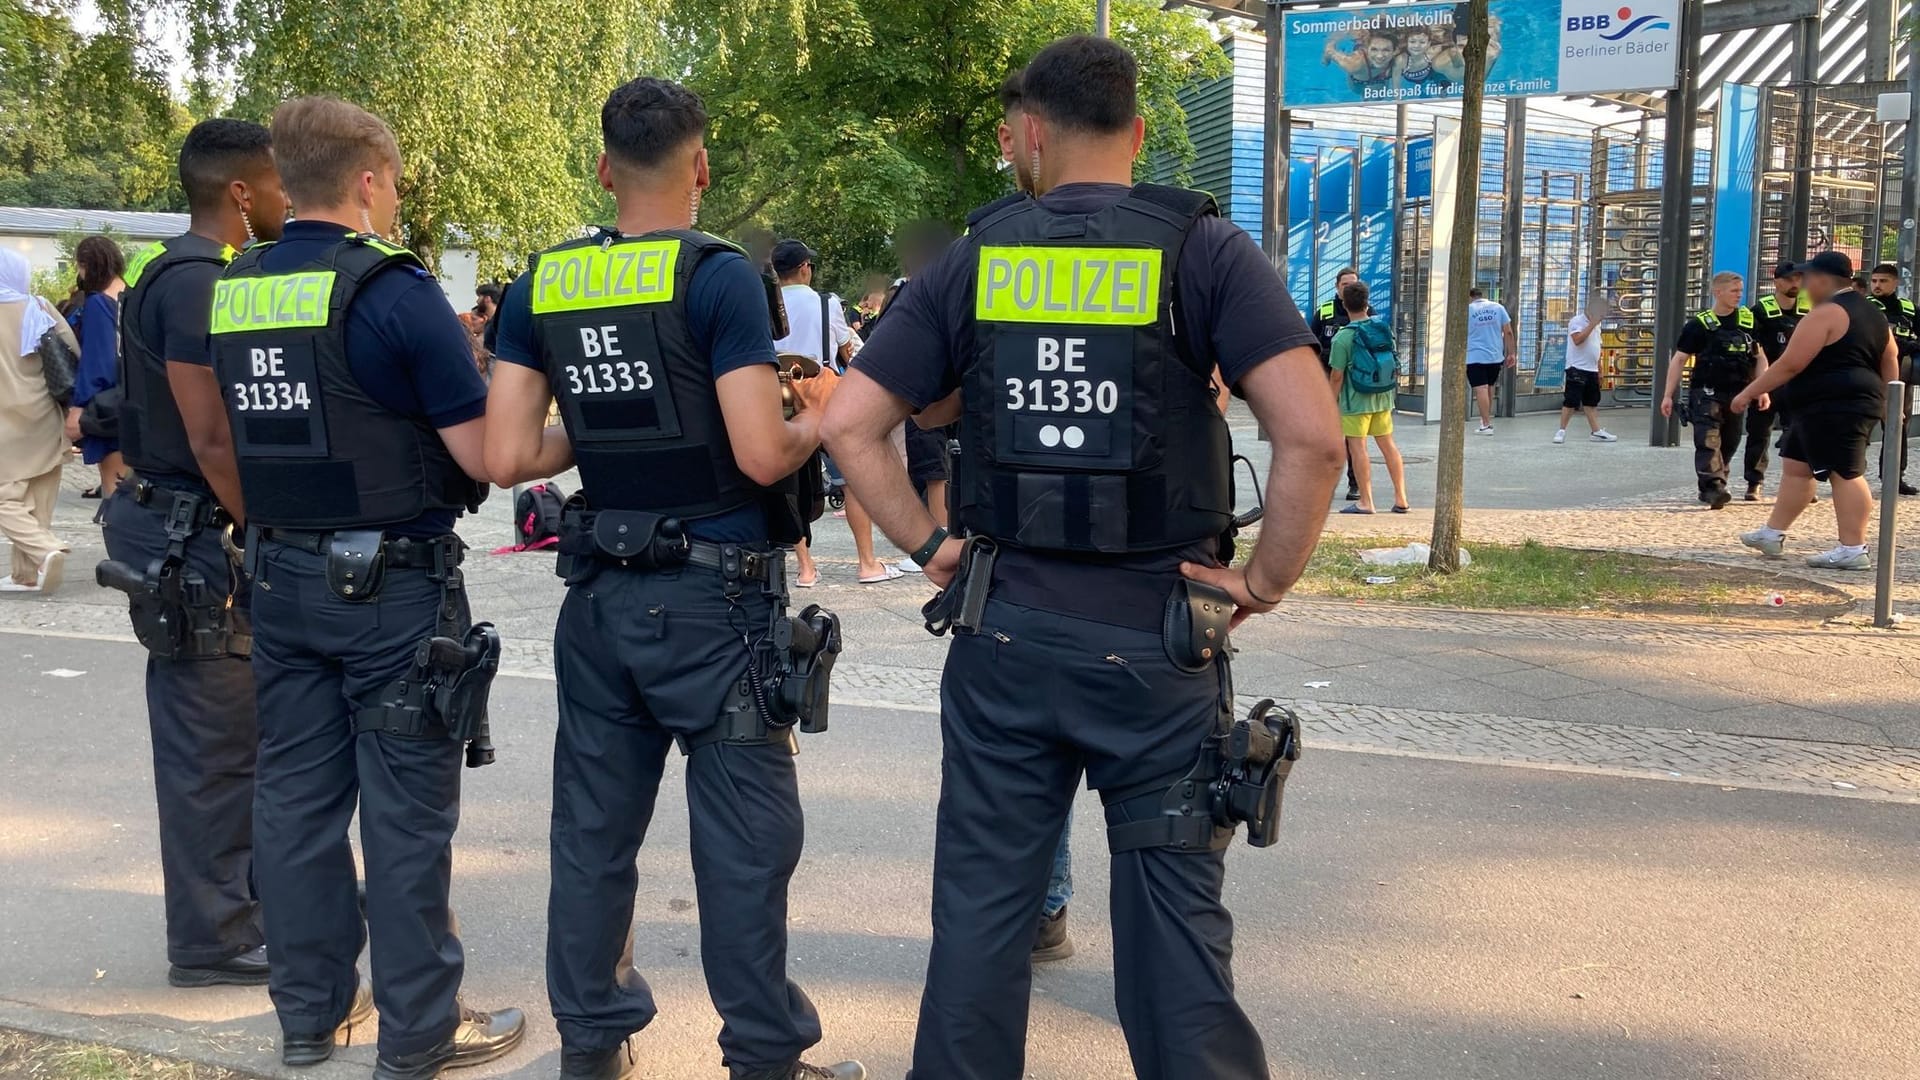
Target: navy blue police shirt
[1231,309]
[174,318]
[405,346]
[727,315]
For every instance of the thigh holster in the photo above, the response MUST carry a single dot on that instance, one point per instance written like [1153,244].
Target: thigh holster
[177,613]
[1239,777]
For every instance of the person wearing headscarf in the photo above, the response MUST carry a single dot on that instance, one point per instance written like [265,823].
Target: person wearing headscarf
[32,445]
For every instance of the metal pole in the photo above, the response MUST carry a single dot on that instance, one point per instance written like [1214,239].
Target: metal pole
[1512,224]
[1540,266]
[1891,436]
[1273,186]
[1676,218]
[1101,18]
[1394,289]
[1806,55]
[1909,194]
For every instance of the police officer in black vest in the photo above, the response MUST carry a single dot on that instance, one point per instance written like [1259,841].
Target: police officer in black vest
[1726,357]
[657,342]
[1086,596]
[164,528]
[1327,320]
[357,420]
[1774,319]
[1901,318]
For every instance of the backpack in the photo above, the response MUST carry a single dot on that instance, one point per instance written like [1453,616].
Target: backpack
[536,516]
[1372,367]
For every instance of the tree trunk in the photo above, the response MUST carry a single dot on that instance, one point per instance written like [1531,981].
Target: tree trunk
[1449,504]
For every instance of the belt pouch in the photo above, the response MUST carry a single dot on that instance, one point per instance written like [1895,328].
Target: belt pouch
[356,565]
[1195,628]
[638,538]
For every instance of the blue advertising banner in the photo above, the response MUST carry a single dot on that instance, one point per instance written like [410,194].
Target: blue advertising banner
[1736,158]
[1552,372]
[1374,258]
[1300,172]
[1389,53]
[1333,219]
[1420,167]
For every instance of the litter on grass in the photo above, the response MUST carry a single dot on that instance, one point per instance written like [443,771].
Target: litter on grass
[1414,554]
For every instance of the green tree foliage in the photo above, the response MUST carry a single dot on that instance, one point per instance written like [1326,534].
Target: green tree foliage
[88,121]
[838,120]
[495,102]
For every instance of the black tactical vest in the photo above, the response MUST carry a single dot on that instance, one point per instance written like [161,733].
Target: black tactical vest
[637,397]
[152,436]
[1728,360]
[1782,321]
[1088,427]
[315,450]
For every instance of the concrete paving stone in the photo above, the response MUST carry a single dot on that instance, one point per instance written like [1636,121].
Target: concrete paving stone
[1475,663]
[1540,682]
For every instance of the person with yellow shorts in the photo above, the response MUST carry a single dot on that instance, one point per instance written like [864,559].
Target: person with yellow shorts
[1365,378]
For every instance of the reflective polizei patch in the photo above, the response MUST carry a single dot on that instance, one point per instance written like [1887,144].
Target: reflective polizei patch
[619,275]
[1074,286]
[273,302]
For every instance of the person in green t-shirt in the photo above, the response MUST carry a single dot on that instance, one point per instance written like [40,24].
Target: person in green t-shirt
[1365,379]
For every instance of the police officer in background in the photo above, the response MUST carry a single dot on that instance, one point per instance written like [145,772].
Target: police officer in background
[1328,319]
[163,531]
[357,421]
[657,342]
[1726,357]
[1774,318]
[1885,283]
[1094,473]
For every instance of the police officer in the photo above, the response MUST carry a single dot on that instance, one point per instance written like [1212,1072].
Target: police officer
[657,342]
[1774,318]
[1885,283]
[1094,472]
[163,529]
[1725,356]
[1327,320]
[357,422]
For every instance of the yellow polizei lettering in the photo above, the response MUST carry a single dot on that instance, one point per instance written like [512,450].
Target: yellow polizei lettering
[272,302]
[1094,286]
[584,278]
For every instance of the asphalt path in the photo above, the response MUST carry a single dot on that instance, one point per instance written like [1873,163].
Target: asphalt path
[1420,919]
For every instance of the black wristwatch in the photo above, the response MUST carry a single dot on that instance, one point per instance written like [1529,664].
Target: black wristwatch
[927,550]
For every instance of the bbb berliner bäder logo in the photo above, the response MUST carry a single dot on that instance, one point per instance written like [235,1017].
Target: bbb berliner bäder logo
[1624,19]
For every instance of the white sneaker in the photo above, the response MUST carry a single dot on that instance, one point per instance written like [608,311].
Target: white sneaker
[1765,541]
[1841,558]
[908,566]
[7,584]
[1560,436]
[1603,435]
[1486,429]
[52,569]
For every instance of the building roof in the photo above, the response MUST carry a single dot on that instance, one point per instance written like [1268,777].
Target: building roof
[44,221]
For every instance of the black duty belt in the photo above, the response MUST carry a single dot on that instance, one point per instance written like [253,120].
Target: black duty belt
[160,495]
[399,552]
[736,563]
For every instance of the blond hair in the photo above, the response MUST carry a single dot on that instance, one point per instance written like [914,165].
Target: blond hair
[1727,277]
[321,144]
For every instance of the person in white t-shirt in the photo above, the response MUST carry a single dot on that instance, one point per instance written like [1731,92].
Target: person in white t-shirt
[1583,369]
[817,328]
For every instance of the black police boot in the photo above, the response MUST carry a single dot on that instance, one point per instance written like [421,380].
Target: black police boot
[247,969]
[1753,492]
[1908,489]
[614,1064]
[800,1070]
[1719,499]
[481,1037]
[298,1048]
[1053,942]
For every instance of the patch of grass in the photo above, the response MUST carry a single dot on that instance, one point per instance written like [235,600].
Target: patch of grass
[35,1057]
[1533,576]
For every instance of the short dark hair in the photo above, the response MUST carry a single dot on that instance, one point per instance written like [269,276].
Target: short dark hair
[490,290]
[1344,271]
[96,262]
[1083,83]
[1888,269]
[647,118]
[1012,92]
[218,152]
[1354,297]
[1475,293]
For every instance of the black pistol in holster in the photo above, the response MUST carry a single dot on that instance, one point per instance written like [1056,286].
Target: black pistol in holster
[443,695]
[1240,777]
[962,604]
[804,649]
[177,613]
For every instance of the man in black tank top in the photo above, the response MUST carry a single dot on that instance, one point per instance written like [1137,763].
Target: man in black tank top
[1836,370]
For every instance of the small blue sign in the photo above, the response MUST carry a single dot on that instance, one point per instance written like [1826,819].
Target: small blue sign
[1420,167]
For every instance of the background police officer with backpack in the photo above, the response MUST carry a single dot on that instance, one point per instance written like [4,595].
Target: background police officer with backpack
[1095,471]
[357,420]
[163,529]
[1726,357]
[657,342]
[1885,283]
[1774,319]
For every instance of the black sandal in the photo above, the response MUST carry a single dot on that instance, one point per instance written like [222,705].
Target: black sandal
[91,493]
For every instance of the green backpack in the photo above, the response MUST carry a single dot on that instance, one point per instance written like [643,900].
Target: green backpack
[1372,367]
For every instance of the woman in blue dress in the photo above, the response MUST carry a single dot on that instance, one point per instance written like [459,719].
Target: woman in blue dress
[99,264]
